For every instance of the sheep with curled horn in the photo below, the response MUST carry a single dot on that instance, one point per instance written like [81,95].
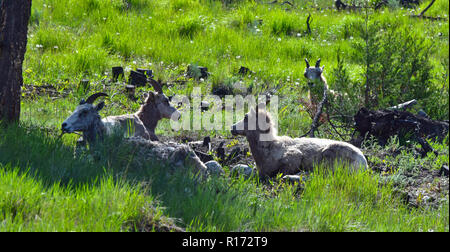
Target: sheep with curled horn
[145,120]
[275,154]
[87,120]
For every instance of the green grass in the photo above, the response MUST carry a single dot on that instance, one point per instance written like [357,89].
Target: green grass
[27,205]
[46,188]
[48,185]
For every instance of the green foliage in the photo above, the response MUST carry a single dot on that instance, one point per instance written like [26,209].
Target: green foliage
[47,188]
[399,57]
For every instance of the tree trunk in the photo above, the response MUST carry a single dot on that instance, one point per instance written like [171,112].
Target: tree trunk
[14,15]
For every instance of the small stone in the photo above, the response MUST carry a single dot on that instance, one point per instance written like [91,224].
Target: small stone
[214,168]
[292,178]
[242,169]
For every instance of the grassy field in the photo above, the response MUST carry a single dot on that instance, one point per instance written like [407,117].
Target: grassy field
[46,186]
[46,189]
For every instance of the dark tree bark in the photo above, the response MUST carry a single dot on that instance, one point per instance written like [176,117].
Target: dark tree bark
[14,15]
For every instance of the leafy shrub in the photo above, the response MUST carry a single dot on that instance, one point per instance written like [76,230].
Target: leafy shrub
[398,68]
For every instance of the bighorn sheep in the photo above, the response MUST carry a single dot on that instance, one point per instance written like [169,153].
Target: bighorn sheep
[86,119]
[145,120]
[317,81]
[281,154]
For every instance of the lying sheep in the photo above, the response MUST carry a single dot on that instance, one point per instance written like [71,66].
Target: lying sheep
[145,120]
[281,154]
[86,119]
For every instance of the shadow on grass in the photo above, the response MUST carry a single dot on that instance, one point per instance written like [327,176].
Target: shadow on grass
[202,206]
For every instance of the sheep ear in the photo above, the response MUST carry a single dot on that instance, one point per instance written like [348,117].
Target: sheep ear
[99,106]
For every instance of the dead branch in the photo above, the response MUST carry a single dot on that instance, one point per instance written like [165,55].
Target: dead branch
[315,123]
[405,105]
[308,22]
[421,15]
[426,8]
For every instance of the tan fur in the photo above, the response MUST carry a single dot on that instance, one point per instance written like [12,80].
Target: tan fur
[174,155]
[125,122]
[287,155]
[145,120]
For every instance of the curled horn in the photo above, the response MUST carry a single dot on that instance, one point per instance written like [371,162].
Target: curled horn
[307,63]
[318,63]
[94,97]
[156,85]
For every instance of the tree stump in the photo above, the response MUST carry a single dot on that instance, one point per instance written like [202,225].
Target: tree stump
[147,72]
[137,79]
[117,72]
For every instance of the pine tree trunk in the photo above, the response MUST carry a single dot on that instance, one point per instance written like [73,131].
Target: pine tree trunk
[14,15]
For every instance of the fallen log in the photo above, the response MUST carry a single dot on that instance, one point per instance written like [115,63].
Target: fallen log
[383,124]
[404,105]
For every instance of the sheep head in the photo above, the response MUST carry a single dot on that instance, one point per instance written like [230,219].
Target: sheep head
[256,121]
[85,115]
[313,73]
[163,106]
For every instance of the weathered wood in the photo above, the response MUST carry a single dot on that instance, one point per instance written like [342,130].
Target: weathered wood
[117,72]
[382,124]
[14,16]
[308,24]
[404,106]
[426,8]
[137,79]
[147,72]
[131,91]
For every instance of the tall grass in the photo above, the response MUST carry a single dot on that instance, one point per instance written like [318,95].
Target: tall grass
[46,184]
[47,188]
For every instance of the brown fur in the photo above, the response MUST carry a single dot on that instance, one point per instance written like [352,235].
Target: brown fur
[146,119]
[282,154]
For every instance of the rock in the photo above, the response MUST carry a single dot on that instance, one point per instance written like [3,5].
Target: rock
[204,106]
[235,151]
[214,168]
[242,169]
[292,178]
